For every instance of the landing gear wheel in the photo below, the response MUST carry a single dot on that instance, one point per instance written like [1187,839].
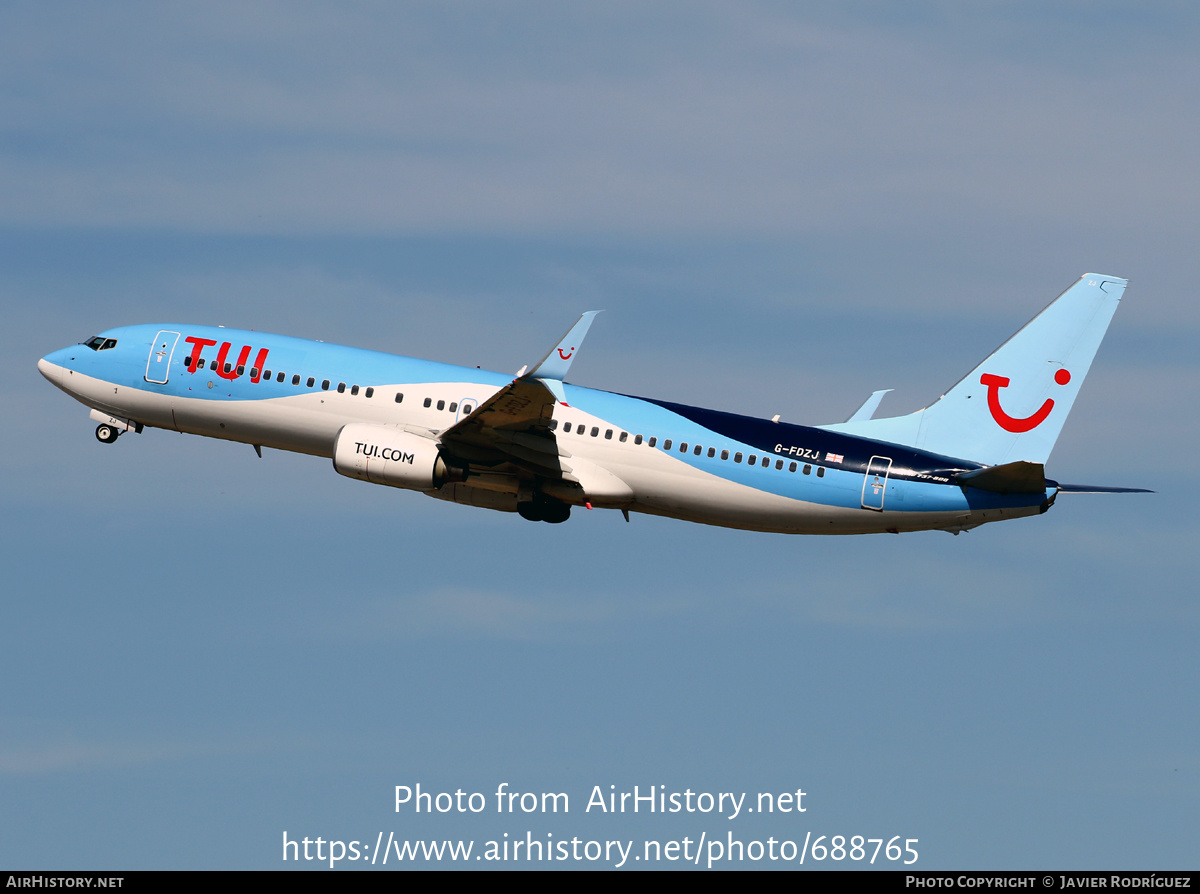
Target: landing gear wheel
[555,513]
[106,434]
[544,509]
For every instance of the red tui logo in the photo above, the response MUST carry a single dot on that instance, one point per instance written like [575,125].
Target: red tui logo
[1011,423]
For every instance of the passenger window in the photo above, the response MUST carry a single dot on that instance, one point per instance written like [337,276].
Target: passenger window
[325,385]
[766,462]
[296,380]
[778,464]
[792,467]
[228,367]
[595,431]
[737,457]
[698,450]
[354,389]
[807,469]
[553,422]
[624,436]
[399,397]
[467,408]
[683,447]
[253,372]
[567,427]
[280,376]
[454,406]
[608,434]
[441,405]
[241,371]
[637,439]
[428,402]
[652,442]
[370,392]
[311,381]
[753,460]
[266,374]
[667,444]
[341,387]
[581,429]
[712,451]
[820,471]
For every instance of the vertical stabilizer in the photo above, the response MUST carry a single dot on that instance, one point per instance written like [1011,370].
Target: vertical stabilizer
[1012,406]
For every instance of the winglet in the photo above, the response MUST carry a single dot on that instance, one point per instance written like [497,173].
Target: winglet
[557,361]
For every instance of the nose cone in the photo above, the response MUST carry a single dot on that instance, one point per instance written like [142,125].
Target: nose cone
[51,366]
[50,370]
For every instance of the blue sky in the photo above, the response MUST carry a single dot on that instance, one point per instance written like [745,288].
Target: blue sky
[780,207]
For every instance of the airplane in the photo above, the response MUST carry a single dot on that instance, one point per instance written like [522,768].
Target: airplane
[538,446]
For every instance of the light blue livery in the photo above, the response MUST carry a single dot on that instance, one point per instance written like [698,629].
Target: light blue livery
[538,446]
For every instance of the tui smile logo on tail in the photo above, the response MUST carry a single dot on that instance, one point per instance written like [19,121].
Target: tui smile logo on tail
[1011,423]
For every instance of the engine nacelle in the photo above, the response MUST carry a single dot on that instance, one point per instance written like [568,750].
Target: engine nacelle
[383,455]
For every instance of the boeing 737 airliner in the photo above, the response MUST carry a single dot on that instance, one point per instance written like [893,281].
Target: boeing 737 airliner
[538,446]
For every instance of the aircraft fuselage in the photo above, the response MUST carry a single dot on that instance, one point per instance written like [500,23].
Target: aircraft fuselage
[594,449]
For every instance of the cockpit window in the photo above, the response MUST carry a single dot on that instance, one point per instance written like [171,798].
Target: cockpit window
[100,343]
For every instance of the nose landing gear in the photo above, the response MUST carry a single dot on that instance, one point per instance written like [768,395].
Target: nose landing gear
[112,427]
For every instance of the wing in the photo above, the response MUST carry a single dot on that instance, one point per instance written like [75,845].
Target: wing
[513,425]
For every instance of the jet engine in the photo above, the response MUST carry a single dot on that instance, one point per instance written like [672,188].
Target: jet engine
[383,455]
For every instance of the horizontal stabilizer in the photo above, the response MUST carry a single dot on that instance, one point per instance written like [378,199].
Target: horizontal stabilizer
[870,405]
[1011,478]
[1100,489]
